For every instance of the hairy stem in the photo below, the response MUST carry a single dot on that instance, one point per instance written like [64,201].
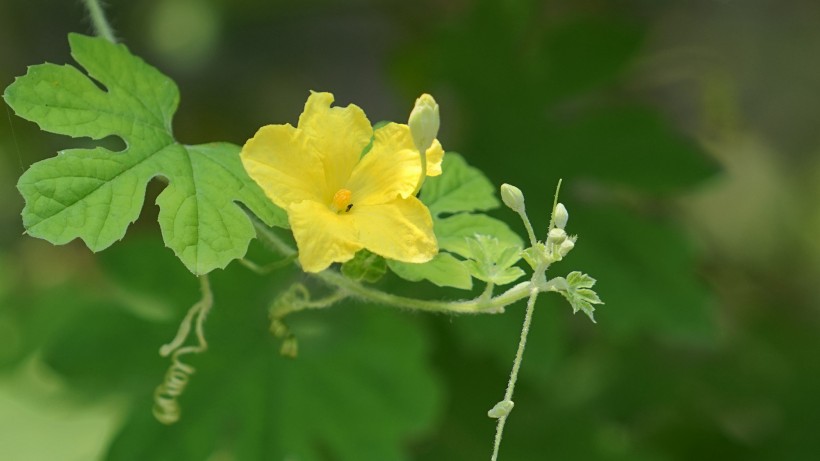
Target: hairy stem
[98,19]
[494,305]
[473,306]
[522,344]
[528,226]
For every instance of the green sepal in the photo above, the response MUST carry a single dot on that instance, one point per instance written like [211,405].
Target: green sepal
[365,266]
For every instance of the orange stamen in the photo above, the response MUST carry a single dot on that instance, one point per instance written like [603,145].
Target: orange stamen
[341,200]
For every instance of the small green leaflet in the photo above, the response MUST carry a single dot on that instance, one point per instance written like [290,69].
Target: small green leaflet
[577,288]
[461,189]
[493,261]
[95,194]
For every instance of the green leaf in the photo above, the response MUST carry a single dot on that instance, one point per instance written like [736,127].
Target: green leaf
[95,194]
[579,293]
[459,188]
[443,270]
[454,231]
[366,266]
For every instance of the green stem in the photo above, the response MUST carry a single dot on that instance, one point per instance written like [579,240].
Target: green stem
[479,305]
[522,344]
[473,306]
[101,25]
[423,156]
[528,226]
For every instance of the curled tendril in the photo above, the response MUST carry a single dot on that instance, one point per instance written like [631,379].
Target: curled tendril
[294,299]
[166,405]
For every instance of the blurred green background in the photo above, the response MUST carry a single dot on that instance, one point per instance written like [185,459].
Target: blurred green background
[687,136]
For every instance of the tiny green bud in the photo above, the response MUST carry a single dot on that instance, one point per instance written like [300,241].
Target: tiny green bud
[566,246]
[557,235]
[512,197]
[501,409]
[424,122]
[561,216]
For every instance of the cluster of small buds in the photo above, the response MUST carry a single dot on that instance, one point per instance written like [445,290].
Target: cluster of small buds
[557,245]
[558,240]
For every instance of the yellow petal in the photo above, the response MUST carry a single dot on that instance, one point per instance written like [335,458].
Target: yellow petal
[322,236]
[337,135]
[391,169]
[400,230]
[435,154]
[279,160]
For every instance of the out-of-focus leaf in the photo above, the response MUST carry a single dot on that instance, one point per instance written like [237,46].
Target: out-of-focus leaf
[583,53]
[629,146]
[644,270]
[357,390]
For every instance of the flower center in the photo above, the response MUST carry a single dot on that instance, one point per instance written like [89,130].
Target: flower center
[341,200]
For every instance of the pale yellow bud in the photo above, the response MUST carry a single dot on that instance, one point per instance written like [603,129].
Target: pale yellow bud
[565,247]
[424,122]
[557,235]
[512,197]
[561,216]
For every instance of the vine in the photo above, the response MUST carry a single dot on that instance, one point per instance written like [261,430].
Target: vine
[389,198]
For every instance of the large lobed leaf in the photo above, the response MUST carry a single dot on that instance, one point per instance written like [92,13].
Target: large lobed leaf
[95,194]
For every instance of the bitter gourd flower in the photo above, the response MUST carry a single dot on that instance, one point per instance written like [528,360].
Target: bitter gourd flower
[338,201]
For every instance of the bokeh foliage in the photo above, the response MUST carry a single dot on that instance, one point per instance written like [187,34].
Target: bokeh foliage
[700,352]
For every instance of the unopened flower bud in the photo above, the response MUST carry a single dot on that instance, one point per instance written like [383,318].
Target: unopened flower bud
[560,217]
[557,235]
[501,409]
[565,247]
[424,122]
[512,197]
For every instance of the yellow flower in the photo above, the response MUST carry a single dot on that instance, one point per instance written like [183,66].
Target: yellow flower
[337,201]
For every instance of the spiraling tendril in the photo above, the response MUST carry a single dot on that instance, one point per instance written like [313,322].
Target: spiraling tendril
[166,404]
[296,298]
